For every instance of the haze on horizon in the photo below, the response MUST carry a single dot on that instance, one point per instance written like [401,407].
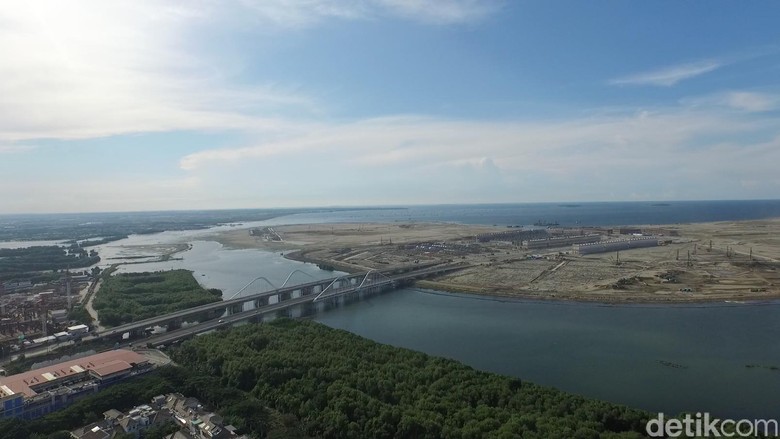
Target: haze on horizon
[149,105]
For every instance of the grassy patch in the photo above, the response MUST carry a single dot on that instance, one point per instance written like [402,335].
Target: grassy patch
[129,297]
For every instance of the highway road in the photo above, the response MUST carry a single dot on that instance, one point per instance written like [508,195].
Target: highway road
[190,331]
[183,314]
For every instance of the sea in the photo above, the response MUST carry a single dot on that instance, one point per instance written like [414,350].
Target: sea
[565,214]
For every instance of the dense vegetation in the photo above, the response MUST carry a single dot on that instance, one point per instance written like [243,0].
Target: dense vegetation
[128,297]
[42,258]
[297,379]
[237,407]
[36,277]
[80,315]
[343,386]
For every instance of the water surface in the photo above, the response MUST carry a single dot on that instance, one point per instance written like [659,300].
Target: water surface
[613,353]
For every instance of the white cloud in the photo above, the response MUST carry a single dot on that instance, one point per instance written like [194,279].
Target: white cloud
[744,101]
[442,11]
[669,76]
[682,152]
[89,68]
[645,140]
[749,101]
[13,149]
[120,193]
[302,13]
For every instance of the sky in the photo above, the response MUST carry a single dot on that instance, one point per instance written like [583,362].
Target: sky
[207,104]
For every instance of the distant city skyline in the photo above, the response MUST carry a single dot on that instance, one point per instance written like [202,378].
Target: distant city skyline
[141,105]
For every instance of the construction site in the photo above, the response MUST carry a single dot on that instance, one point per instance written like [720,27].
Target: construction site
[728,261]
[40,314]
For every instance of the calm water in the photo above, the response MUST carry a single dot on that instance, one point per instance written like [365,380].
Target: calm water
[214,266]
[567,214]
[607,352]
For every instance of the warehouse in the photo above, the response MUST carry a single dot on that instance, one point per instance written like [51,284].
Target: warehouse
[41,391]
[615,245]
[560,241]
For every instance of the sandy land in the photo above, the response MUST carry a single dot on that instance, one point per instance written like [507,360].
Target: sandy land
[698,262]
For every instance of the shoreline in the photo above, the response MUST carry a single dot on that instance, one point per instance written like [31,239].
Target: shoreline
[436,287]
[595,303]
[501,270]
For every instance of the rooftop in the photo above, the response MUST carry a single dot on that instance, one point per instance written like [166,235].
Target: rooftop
[103,364]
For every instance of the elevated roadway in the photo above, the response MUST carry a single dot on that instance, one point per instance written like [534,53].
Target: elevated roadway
[284,298]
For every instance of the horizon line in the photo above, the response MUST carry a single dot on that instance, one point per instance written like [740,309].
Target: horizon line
[373,206]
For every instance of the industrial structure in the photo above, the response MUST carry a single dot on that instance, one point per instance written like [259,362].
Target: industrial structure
[561,241]
[29,316]
[513,235]
[615,245]
[41,391]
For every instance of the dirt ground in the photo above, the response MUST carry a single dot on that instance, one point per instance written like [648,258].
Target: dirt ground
[697,263]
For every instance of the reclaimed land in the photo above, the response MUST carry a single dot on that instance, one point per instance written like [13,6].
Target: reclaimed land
[127,297]
[702,262]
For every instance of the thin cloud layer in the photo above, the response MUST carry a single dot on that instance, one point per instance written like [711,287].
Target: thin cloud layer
[750,101]
[662,142]
[211,104]
[87,69]
[740,100]
[304,13]
[442,11]
[669,76]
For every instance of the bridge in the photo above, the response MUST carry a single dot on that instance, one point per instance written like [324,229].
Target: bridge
[254,306]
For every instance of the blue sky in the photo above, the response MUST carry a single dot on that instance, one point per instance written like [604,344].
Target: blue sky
[150,105]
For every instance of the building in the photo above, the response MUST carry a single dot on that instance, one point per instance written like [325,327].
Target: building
[188,414]
[114,423]
[14,286]
[560,241]
[78,330]
[59,316]
[615,245]
[512,235]
[41,391]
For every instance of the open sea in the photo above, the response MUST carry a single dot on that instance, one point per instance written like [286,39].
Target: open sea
[565,214]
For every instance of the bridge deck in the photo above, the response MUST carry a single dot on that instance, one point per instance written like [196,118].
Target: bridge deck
[226,304]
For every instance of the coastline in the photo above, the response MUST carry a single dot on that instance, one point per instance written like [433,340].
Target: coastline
[504,271]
